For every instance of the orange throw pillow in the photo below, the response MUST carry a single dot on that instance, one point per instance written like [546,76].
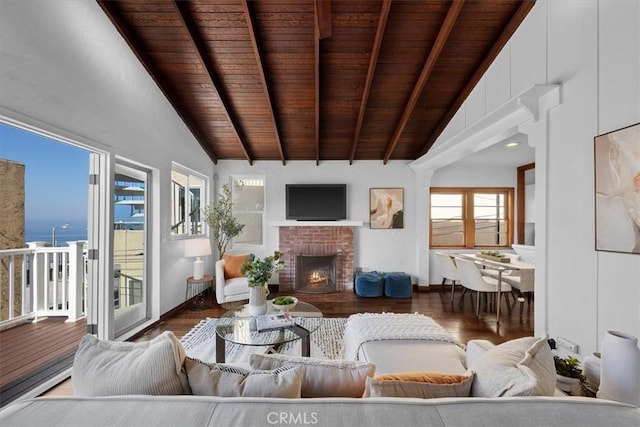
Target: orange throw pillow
[423,377]
[232,264]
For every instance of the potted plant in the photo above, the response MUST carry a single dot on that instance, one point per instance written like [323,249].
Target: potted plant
[258,272]
[224,226]
[568,374]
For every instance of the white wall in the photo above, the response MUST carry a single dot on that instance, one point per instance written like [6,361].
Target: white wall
[65,69]
[384,250]
[593,50]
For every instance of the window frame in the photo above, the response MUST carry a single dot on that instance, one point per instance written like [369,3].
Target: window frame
[263,212]
[204,201]
[468,219]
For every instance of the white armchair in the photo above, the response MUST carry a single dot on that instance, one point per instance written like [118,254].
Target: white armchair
[231,289]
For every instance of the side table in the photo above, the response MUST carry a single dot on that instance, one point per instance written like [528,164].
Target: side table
[194,290]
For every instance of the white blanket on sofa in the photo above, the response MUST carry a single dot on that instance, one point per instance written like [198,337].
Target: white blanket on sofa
[365,327]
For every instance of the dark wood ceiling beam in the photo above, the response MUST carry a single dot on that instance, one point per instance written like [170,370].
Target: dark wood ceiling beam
[504,37]
[112,10]
[250,18]
[438,45]
[375,51]
[196,40]
[323,13]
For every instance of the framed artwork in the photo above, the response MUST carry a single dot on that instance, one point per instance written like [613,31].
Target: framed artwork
[617,190]
[386,208]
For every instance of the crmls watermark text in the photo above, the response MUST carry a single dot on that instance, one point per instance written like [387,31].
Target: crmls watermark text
[292,418]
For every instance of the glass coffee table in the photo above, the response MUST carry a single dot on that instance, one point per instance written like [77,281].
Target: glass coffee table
[237,326]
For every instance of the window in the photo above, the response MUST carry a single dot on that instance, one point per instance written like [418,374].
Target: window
[247,193]
[188,190]
[471,217]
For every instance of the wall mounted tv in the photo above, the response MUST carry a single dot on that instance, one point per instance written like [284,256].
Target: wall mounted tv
[316,202]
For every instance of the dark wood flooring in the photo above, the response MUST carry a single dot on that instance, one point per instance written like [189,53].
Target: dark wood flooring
[459,320]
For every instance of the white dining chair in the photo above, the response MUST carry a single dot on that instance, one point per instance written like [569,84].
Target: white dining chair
[449,271]
[471,278]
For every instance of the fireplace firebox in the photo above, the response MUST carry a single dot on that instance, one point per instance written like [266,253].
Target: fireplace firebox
[316,273]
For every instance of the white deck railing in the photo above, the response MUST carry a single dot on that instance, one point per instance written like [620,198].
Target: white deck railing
[49,280]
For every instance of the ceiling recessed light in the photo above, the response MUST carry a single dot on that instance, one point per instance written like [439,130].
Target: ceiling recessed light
[512,144]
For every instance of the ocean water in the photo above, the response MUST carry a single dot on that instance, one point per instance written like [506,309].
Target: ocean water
[39,233]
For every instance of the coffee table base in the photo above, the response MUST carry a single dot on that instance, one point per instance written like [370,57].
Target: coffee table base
[297,329]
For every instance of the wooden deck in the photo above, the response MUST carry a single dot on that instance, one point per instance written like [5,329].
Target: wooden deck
[27,347]
[31,353]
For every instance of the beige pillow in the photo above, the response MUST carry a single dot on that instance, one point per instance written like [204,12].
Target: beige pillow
[231,381]
[423,385]
[520,367]
[321,377]
[107,368]
[232,264]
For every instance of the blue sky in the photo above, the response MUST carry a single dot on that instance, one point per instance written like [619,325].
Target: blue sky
[56,181]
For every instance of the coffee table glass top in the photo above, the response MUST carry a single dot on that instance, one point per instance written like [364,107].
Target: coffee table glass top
[236,326]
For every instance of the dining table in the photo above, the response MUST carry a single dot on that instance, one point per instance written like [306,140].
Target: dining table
[500,268]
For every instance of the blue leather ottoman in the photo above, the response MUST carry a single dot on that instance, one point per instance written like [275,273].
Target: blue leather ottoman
[397,285]
[369,284]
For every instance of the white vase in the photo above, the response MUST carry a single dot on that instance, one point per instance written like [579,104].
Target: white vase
[257,300]
[620,368]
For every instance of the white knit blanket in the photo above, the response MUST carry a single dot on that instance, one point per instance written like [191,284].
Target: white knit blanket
[365,327]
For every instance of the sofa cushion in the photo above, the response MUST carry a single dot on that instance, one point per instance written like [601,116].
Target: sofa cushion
[417,355]
[232,381]
[321,377]
[520,367]
[423,385]
[232,265]
[107,368]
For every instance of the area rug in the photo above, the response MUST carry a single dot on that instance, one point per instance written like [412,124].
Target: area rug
[200,343]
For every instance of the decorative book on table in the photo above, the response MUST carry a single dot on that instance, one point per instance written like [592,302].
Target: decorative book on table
[273,321]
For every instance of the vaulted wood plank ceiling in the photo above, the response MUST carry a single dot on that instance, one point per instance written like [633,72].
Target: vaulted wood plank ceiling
[316,80]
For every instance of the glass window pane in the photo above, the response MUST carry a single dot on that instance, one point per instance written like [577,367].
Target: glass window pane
[488,199]
[248,207]
[248,195]
[447,233]
[440,212]
[252,231]
[178,205]
[442,199]
[490,233]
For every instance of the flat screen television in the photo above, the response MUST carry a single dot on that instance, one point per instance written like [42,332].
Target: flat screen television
[316,202]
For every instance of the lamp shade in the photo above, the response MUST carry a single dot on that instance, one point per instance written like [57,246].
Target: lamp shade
[197,247]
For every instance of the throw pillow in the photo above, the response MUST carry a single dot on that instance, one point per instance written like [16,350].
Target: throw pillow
[231,381]
[107,368]
[520,367]
[423,385]
[232,264]
[321,377]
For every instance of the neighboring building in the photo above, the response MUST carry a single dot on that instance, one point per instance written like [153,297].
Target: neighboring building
[11,227]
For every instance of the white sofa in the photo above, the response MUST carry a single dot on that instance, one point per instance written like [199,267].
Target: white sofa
[151,379]
[171,411]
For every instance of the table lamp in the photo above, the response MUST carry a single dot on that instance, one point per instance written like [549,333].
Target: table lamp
[197,248]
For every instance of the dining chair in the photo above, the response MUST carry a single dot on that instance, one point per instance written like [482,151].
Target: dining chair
[471,278]
[449,271]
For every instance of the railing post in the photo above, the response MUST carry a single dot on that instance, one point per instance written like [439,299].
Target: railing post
[38,281]
[76,281]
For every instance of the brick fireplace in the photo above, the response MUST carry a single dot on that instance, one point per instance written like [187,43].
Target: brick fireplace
[298,242]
